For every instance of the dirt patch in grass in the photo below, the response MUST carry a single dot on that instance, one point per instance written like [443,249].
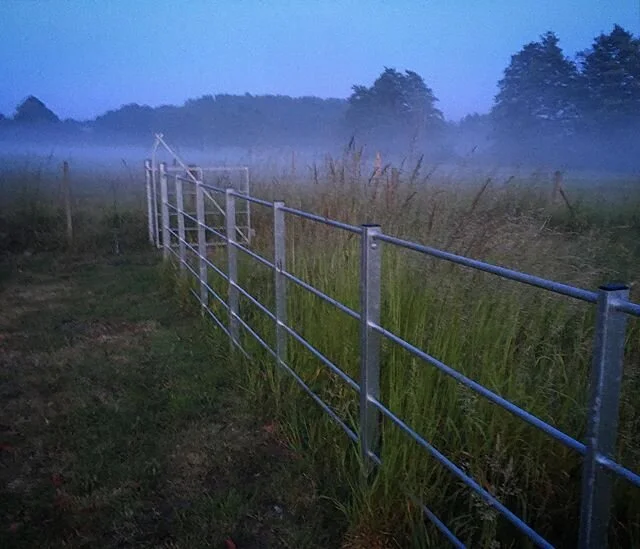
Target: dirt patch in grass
[123,425]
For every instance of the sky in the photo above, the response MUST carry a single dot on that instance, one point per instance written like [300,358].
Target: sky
[83,57]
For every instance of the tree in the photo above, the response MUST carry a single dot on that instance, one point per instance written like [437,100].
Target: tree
[34,111]
[611,80]
[472,134]
[132,119]
[395,105]
[537,94]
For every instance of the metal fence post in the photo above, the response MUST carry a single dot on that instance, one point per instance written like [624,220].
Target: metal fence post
[181,232]
[164,198]
[202,244]
[147,181]
[602,428]
[247,191]
[370,268]
[232,267]
[154,204]
[279,259]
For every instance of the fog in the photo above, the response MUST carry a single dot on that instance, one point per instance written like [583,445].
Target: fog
[462,149]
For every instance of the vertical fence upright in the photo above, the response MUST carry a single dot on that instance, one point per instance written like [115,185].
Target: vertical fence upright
[232,267]
[181,232]
[602,428]
[202,243]
[164,199]
[67,201]
[279,260]
[248,220]
[370,268]
[154,201]
[149,189]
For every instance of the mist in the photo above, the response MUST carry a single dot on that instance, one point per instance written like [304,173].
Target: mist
[552,111]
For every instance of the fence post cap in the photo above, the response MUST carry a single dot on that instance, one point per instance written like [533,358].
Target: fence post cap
[614,287]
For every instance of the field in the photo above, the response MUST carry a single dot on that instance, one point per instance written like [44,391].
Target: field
[532,348]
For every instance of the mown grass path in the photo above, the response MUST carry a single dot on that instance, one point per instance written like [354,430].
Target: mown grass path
[123,423]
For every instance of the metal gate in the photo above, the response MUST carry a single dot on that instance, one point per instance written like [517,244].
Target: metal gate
[163,182]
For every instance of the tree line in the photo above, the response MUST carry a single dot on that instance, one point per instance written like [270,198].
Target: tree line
[549,106]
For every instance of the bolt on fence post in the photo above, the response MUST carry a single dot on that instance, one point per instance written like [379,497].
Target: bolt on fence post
[602,428]
[370,269]
[279,260]
[202,244]
[232,267]
[164,198]
[147,182]
[181,232]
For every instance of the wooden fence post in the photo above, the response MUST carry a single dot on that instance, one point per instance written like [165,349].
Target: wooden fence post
[67,201]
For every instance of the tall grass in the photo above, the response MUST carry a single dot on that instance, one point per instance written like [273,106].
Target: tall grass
[107,210]
[531,347]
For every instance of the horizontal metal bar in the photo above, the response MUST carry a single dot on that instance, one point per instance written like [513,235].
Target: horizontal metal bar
[190,217]
[213,188]
[254,301]
[373,457]
[489,498]
[349,432]
[255,334]
[206,260]
[253,199]
[220,325]
[205,169]
[215,232]
[184,179]
[430,515]
[197,275]
[213,316]
[324,220]
[173,251]
[620,470]
[626,307]
[245,354]
[557,287]
[253,254]
[444,530]
[218,271]
[342,375]
[185,263]
[321,295]
[489,395]
[195,220]
[216,296]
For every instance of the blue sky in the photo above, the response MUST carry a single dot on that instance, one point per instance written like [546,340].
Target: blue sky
[82,57]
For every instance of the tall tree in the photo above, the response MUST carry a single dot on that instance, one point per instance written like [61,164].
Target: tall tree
[397,104]
[32,110]
[611,80]
[537,94]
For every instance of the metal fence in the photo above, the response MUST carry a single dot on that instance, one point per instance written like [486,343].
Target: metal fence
[612,303]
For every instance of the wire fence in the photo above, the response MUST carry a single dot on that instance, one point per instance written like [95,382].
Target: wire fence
[168,223]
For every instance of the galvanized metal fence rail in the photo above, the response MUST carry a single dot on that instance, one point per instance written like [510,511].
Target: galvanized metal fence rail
[613,308]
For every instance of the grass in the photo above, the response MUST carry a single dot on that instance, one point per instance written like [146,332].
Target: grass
[528,346]
[124,422]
